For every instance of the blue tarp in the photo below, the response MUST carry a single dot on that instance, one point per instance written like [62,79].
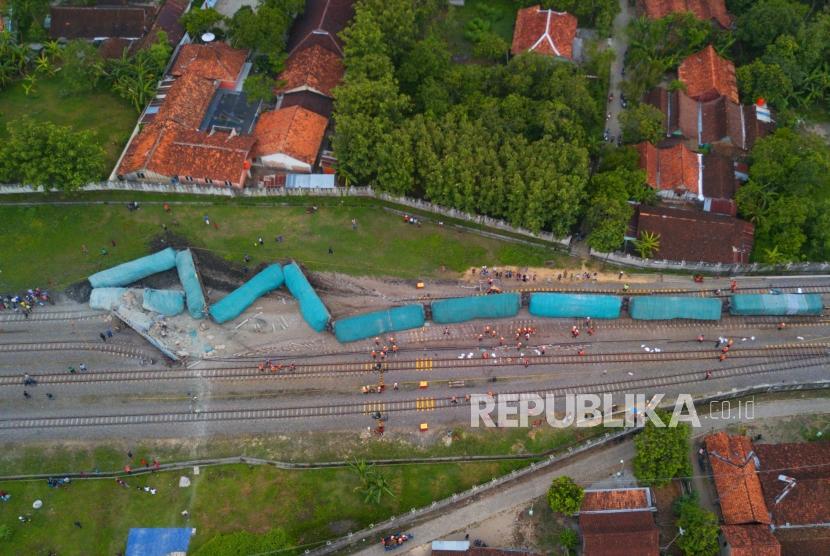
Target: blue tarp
[662,307]
[134,270]
[311,306]
[461,309]
[565,305]
[196,304]
[167,302]
[776,304]
[373,324]
[158,541]
[233,304]
[106,299]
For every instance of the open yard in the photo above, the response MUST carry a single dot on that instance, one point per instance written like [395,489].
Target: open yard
[498,16]
[311,505]
[101,111]
[44,245]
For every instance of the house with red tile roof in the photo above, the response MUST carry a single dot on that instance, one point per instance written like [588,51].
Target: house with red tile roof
[320,24]
[706,10]
[545,32]
[694,235]
[216,61]
[100,22]
[176,146]
[750,540]
[717,121]
[167,20]
[735,472]
[289,139]
[309,77]
[674,172]
[618,522]
[707,76]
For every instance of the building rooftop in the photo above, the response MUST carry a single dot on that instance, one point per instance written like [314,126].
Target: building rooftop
[544,31]
[676,168]
[796,482]
[708,76]
[616,499]
[736,480]
[706,10]
[691,235]
[215,60]
[92,22]
[751,540]
[294,131]
[619,534]
[167,20]
[312,68]
[321,23]
[719,181]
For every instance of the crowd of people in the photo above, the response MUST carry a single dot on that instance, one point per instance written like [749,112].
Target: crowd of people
[26,302]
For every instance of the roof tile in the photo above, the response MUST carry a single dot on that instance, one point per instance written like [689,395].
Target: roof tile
[294,131]
[708,76]
[674,168]
[702,9]
[216,60]
[544,31]
[751,540]
[616,499]
[736,479]
[313,67]
[321,23]
[90,22]
[619,534]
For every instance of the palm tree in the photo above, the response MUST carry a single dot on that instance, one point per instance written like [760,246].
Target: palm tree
[648,244]
[373,483]
[29,83]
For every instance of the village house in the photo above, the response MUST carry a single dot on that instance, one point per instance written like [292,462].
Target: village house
[545,32]
[618,522]
[707,76]
[706,10]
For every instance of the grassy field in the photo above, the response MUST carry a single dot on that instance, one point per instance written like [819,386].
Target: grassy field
[499,14]
[309,505]
[101,111]
[44,245]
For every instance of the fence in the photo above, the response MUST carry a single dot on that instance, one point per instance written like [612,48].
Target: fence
[366,192]
[625,259]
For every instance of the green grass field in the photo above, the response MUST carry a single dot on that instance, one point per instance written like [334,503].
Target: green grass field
[110,117]
[43,245]
[311,505]
[500,14]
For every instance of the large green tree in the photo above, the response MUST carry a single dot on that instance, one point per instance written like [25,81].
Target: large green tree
[700,529]
[49,156]
[662,452]
[565,496]
[82,68]
[768,19]
[642,122]
[197,21]
[27,18]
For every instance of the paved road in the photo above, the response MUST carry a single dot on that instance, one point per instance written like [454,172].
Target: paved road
[452,524]
[619,43]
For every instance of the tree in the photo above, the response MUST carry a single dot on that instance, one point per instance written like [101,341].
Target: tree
[642,122]
[647,244]
[700,529]
[568,540]
[565,496]
[83,66]
[767,81]
[373,483]
[491,46]
[259,88]
[607,220]
[47,155]
[158,53]
[662,452]
[27,17]
[265,29]
[768,19]
[196,21]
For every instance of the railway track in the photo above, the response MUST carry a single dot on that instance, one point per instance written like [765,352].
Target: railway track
[339,370]
[420,403]
[115,348]
[40,316]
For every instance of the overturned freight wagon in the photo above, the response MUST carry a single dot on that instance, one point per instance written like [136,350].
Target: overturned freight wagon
[564,305]
[664,307]
[196,304]
[233,304]
[461,309]
[776,304]
[312,309]
[368,325]
[134,270]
